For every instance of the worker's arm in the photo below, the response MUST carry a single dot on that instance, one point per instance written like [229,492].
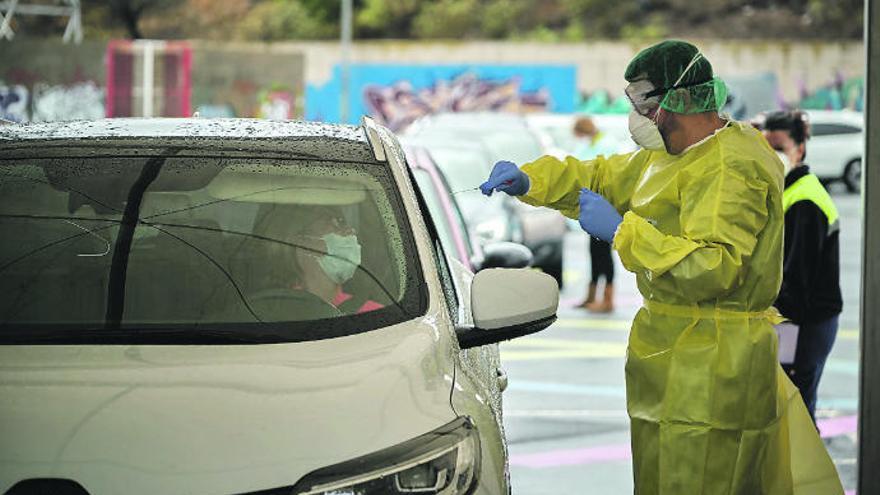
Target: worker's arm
[722,213]
[557,183]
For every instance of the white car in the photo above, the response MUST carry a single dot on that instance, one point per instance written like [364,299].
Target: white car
[836,145]
[216,307]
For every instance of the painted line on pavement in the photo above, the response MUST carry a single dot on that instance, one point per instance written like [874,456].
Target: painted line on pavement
[534,349]
[829,427]
[593,414]
[567,388]
[843,366]
[593,323]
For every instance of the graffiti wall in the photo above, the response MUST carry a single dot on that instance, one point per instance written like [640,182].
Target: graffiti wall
[396,95]
[44,80]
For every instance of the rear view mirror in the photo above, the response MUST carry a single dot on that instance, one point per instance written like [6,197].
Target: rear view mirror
[509,303]
[506,255]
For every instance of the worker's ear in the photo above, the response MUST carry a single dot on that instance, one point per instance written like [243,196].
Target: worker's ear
[802,152]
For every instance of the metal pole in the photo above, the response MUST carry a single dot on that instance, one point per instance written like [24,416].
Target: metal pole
[345,42]
[147,79]
[869,404]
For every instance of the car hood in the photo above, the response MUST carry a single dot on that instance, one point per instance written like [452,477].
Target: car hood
[217,419]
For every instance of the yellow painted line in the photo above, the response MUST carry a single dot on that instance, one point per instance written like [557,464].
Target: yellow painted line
[848,334]
[603,351]
[533,349]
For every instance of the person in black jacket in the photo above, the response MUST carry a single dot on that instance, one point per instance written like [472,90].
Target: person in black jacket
[810,295]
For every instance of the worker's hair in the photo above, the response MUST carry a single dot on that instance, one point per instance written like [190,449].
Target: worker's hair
[585,126]
[795,122]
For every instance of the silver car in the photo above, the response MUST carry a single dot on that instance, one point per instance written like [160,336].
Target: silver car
[242,306]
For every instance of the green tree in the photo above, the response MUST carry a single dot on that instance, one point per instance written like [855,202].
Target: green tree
[448,19]
[129,12]
[275,20]
[505,18]
[386,18]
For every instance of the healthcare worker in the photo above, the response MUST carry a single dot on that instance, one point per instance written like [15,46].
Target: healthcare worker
[696,214]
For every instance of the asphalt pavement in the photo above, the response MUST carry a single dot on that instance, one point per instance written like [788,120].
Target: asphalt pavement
[565,408]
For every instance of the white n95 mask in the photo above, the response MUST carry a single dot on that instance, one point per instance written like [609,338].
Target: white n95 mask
[786,161]
[645,132]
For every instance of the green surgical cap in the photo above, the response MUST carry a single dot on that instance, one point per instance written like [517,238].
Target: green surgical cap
[663,64]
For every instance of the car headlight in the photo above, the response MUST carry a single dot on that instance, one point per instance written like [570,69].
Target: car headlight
[445,461]
[493,230]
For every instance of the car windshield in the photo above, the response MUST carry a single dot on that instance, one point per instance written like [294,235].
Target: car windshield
[271,250]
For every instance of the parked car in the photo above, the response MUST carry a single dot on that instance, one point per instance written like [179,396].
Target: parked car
[834,152]
[466,164]
[555,131]
[450,224]
[504,137]
[166,324]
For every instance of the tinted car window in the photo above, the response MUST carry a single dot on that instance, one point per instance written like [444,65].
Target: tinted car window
[262,247]
[830,129]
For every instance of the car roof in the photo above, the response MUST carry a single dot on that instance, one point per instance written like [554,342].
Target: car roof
[836,117]
[296,137]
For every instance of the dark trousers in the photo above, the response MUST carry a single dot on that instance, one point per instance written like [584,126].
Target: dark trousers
[600,261]
[813,346]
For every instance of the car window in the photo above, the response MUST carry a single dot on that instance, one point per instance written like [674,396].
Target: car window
[202,242]
[831,129]
[435,207]
[434,220]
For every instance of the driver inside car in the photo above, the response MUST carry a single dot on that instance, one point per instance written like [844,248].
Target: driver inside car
[317,252]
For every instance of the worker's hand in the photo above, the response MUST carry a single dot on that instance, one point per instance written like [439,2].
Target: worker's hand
[598,217]
[506,177]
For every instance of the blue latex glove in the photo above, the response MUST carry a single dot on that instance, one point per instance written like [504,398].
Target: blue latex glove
[598,217]
[506,177]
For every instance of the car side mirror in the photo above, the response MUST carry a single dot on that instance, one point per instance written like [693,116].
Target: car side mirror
[509,303]
[504,255]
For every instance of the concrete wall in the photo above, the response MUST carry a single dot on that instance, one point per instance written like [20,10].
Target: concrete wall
[600,65]
[250,79]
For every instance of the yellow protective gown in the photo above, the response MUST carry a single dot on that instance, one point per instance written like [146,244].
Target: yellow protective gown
[710,408]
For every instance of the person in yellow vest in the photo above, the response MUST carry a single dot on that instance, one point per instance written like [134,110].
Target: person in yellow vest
[696,214]
[810,295]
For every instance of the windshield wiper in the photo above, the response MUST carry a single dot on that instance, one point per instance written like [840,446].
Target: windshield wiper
[119,265]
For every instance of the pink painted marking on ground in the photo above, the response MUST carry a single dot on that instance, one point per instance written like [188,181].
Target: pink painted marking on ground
[830,427]
[849,492]
[841,425]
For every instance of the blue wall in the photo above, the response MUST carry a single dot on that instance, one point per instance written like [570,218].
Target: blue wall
[404,91]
